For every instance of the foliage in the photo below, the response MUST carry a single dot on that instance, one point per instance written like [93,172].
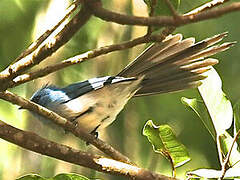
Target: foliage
[164,141]
[221,113]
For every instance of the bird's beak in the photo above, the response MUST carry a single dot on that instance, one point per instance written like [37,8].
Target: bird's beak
[20,108]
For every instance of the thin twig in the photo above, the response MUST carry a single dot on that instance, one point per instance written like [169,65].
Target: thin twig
[204,7]
[107,15]
[171,8]
[47,49]
[68,125]
[35,143]
[151,13]
[225,163]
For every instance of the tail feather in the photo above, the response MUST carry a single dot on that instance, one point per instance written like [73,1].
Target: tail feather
[174,64]
[199,64]
[166,88]
[152,50]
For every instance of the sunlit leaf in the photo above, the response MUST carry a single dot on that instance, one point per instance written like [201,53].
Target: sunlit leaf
[231,173]
[218,105]
[165,142]
[161,8]
[64,176]
[221,112]
[200,109]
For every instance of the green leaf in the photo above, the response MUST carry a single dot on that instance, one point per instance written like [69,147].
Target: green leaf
[165,142]
[70,176]
[63,176]
[31,177]
[231,173]
[200,109]
[161,8]
[218,105]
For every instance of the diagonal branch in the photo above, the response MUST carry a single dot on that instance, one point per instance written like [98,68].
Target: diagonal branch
[83,57]
[35,143]
[67,125]
[171,8]
[81,18]
[106,49]
[47,49]
[46,34]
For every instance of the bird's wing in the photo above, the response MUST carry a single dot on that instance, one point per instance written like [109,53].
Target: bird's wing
[80,88]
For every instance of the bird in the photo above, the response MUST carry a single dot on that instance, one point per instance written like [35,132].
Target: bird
[175,64]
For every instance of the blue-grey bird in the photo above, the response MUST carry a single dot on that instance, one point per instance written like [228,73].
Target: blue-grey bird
[169,66]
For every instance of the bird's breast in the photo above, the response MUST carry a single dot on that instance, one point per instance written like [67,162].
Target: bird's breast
[97,109]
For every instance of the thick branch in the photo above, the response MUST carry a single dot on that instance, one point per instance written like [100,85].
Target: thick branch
[97,9]
[35,143]
[46,49]
[77,131]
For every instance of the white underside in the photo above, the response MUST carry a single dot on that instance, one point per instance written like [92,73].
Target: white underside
[106,104]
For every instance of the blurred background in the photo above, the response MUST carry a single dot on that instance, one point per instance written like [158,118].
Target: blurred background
[23,21]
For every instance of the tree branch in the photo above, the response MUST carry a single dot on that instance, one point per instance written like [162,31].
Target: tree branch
[171,8]
[35,143]
[104,50]
[206,6]
[67,125]
[46,34]
[104,14]
[83,57]
[47,49]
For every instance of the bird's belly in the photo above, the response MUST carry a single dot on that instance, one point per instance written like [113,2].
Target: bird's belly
[97,109]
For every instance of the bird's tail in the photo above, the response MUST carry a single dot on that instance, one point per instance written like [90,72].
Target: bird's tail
[174,64]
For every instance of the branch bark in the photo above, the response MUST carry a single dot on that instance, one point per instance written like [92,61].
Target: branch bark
[83,57]
[35,143]
[45,50]
[107,49]
[96,8]
[46,34]
[67,125]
